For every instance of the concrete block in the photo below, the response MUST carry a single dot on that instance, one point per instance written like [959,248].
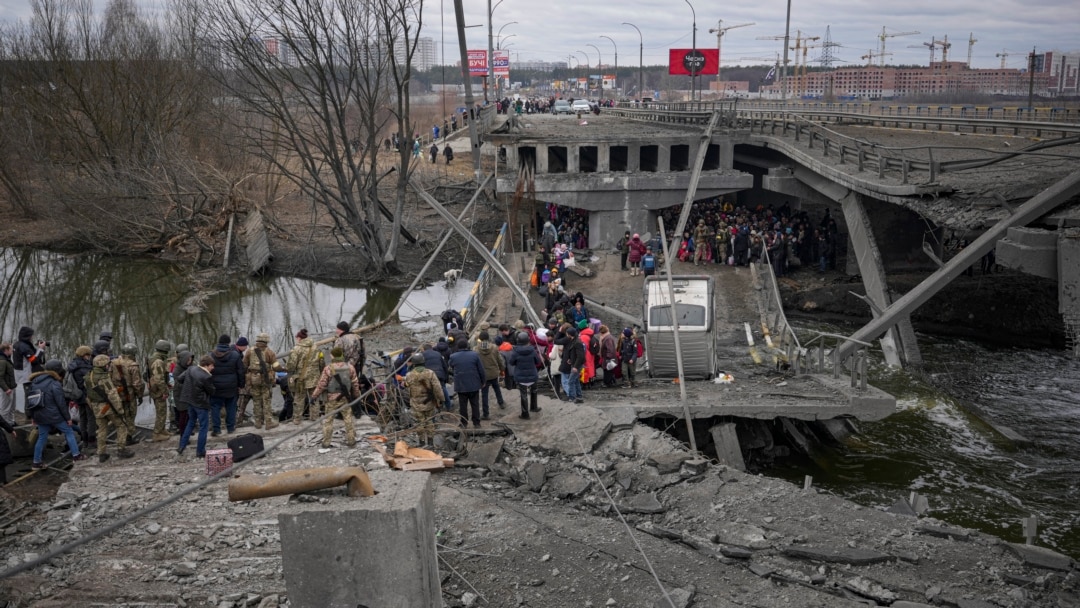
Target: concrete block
[838,555]
[374,552]
[1069,277]
[1041,557]
[557,431]
[1030,250]
[727,445]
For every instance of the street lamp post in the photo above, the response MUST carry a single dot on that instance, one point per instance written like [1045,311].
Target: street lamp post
[499,35]
[599,60]
[586,56]
[491,48]
[641,58]
[693,74]
[503,44]
[616,63]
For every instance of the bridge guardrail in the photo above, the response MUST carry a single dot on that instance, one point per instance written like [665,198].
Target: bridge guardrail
[988,111]
[971,124]
[483,285]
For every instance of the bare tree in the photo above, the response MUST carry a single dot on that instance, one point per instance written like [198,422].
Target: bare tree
[313,82]
[110,127]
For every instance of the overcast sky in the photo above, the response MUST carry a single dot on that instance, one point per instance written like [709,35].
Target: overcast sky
[552,30]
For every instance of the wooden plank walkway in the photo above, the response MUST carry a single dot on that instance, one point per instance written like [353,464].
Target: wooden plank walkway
[257,243]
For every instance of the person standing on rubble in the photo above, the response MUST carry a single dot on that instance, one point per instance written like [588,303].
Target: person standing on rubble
[228,372]
[159,387]
[128,378]
[573,360]
[351,345]
[303,370]
[197,392]
[494,367]
[340,383]
[259,363]
[469,375]
[108,408]
[526,361]
[424,397]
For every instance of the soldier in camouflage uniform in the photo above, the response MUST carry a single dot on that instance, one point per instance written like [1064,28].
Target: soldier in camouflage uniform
[340,382]
[425,395]
[128,378]
[259,364]
[108,408]
[303,370]
[159,387]
[701,240]
[352,346]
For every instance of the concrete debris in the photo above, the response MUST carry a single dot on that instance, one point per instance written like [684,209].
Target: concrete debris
[643,503]
[667,463]
[868,588]
[838,555]
[676,598]
[742,535]
[535,474]
[482,454]
[568,485]
[565,428]
[944,532]
[1041,557]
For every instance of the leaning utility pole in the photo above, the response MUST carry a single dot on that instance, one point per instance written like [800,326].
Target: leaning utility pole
[474,131]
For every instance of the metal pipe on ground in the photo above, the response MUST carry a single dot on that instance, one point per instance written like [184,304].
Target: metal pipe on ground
[249,487]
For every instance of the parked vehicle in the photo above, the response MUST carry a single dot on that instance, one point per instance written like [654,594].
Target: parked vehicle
[562,107]
[581,105]
[695,316]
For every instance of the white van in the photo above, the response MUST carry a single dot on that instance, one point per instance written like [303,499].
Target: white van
[695,314]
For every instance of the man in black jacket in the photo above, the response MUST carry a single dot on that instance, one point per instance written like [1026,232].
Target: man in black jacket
[197,394]
[78,368]
[7,385]
[573,359]
[27,357]
[52,411]
[228,373]
[434,361]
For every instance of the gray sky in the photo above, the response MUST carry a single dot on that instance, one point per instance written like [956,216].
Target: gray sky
[553,29]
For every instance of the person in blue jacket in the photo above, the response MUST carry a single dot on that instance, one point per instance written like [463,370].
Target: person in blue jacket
[469,376]
[52,413]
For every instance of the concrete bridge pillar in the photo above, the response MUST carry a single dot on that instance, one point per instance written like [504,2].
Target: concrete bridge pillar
[900,340]
[607,227]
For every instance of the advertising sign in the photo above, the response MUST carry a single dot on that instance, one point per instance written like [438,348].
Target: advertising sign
[501,64]
[690,62]
[478,62]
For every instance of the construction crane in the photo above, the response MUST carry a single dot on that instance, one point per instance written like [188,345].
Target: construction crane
[801,80]
[971,42]
[720,30]
[1004,54]
[869,56]
[885,34]
[933,44]
[945,46]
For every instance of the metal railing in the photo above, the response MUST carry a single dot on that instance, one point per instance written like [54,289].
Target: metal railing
[772,314]
[868,156]
[856,361]
[958,124]
[1010,112]
[483,285]
[688,112]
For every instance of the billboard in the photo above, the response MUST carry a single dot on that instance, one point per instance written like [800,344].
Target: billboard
[501,64]
[478,63]
[688,62]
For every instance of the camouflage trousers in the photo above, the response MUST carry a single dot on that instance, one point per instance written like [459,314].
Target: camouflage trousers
[328,423]
[104,416]
[161,414]
[423,419]
[264,413]
[130,409]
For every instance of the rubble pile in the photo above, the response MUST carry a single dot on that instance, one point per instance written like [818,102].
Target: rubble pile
[531,516]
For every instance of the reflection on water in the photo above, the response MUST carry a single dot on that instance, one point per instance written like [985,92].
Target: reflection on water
[70,299]
[971,476]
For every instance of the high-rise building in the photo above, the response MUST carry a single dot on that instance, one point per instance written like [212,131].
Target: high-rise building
[424,56]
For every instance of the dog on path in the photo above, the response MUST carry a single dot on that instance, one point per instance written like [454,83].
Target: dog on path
[451,276]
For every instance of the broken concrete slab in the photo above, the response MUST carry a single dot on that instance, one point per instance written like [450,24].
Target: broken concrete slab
[868,588]
[568,485]
[535,475]
[676,598]
[736,552]
[660,532]
[943,532]
[482,454]
[742,535]
[668,463]
[643,503]
[694,467]
[907,604]
[562,425]
[838,555]
[622,418]
[1041,557]
[761,570]
[901,507]
[726,441]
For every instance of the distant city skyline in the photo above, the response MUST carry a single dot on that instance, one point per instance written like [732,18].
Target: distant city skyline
[558,29]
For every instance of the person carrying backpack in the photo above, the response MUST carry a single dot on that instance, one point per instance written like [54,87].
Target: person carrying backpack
[46,405]
[341,384]
[648,263]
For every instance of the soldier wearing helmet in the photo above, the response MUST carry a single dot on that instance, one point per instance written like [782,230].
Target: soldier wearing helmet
[127,376]
[341,384]
[78,368]
[425,395]
[108,408]
[159,387]
[259,366]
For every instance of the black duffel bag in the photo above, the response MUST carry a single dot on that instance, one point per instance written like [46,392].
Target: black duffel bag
[245,446]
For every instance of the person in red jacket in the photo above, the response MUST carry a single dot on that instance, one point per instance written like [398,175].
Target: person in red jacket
[585,335]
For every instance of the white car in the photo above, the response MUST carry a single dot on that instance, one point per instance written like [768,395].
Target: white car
[561,107]
[581,105]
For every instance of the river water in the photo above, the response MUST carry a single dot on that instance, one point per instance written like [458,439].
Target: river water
[970,474]
[70,299]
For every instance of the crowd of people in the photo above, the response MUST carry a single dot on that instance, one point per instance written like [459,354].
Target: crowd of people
[722,233]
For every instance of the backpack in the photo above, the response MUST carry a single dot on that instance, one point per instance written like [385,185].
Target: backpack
[72,392]
[339,384]
[640,348]
[35,400]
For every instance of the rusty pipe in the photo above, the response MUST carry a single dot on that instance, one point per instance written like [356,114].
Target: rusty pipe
[248,487]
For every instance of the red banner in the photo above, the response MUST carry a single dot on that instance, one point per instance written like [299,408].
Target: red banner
[684,62]
[478,63]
